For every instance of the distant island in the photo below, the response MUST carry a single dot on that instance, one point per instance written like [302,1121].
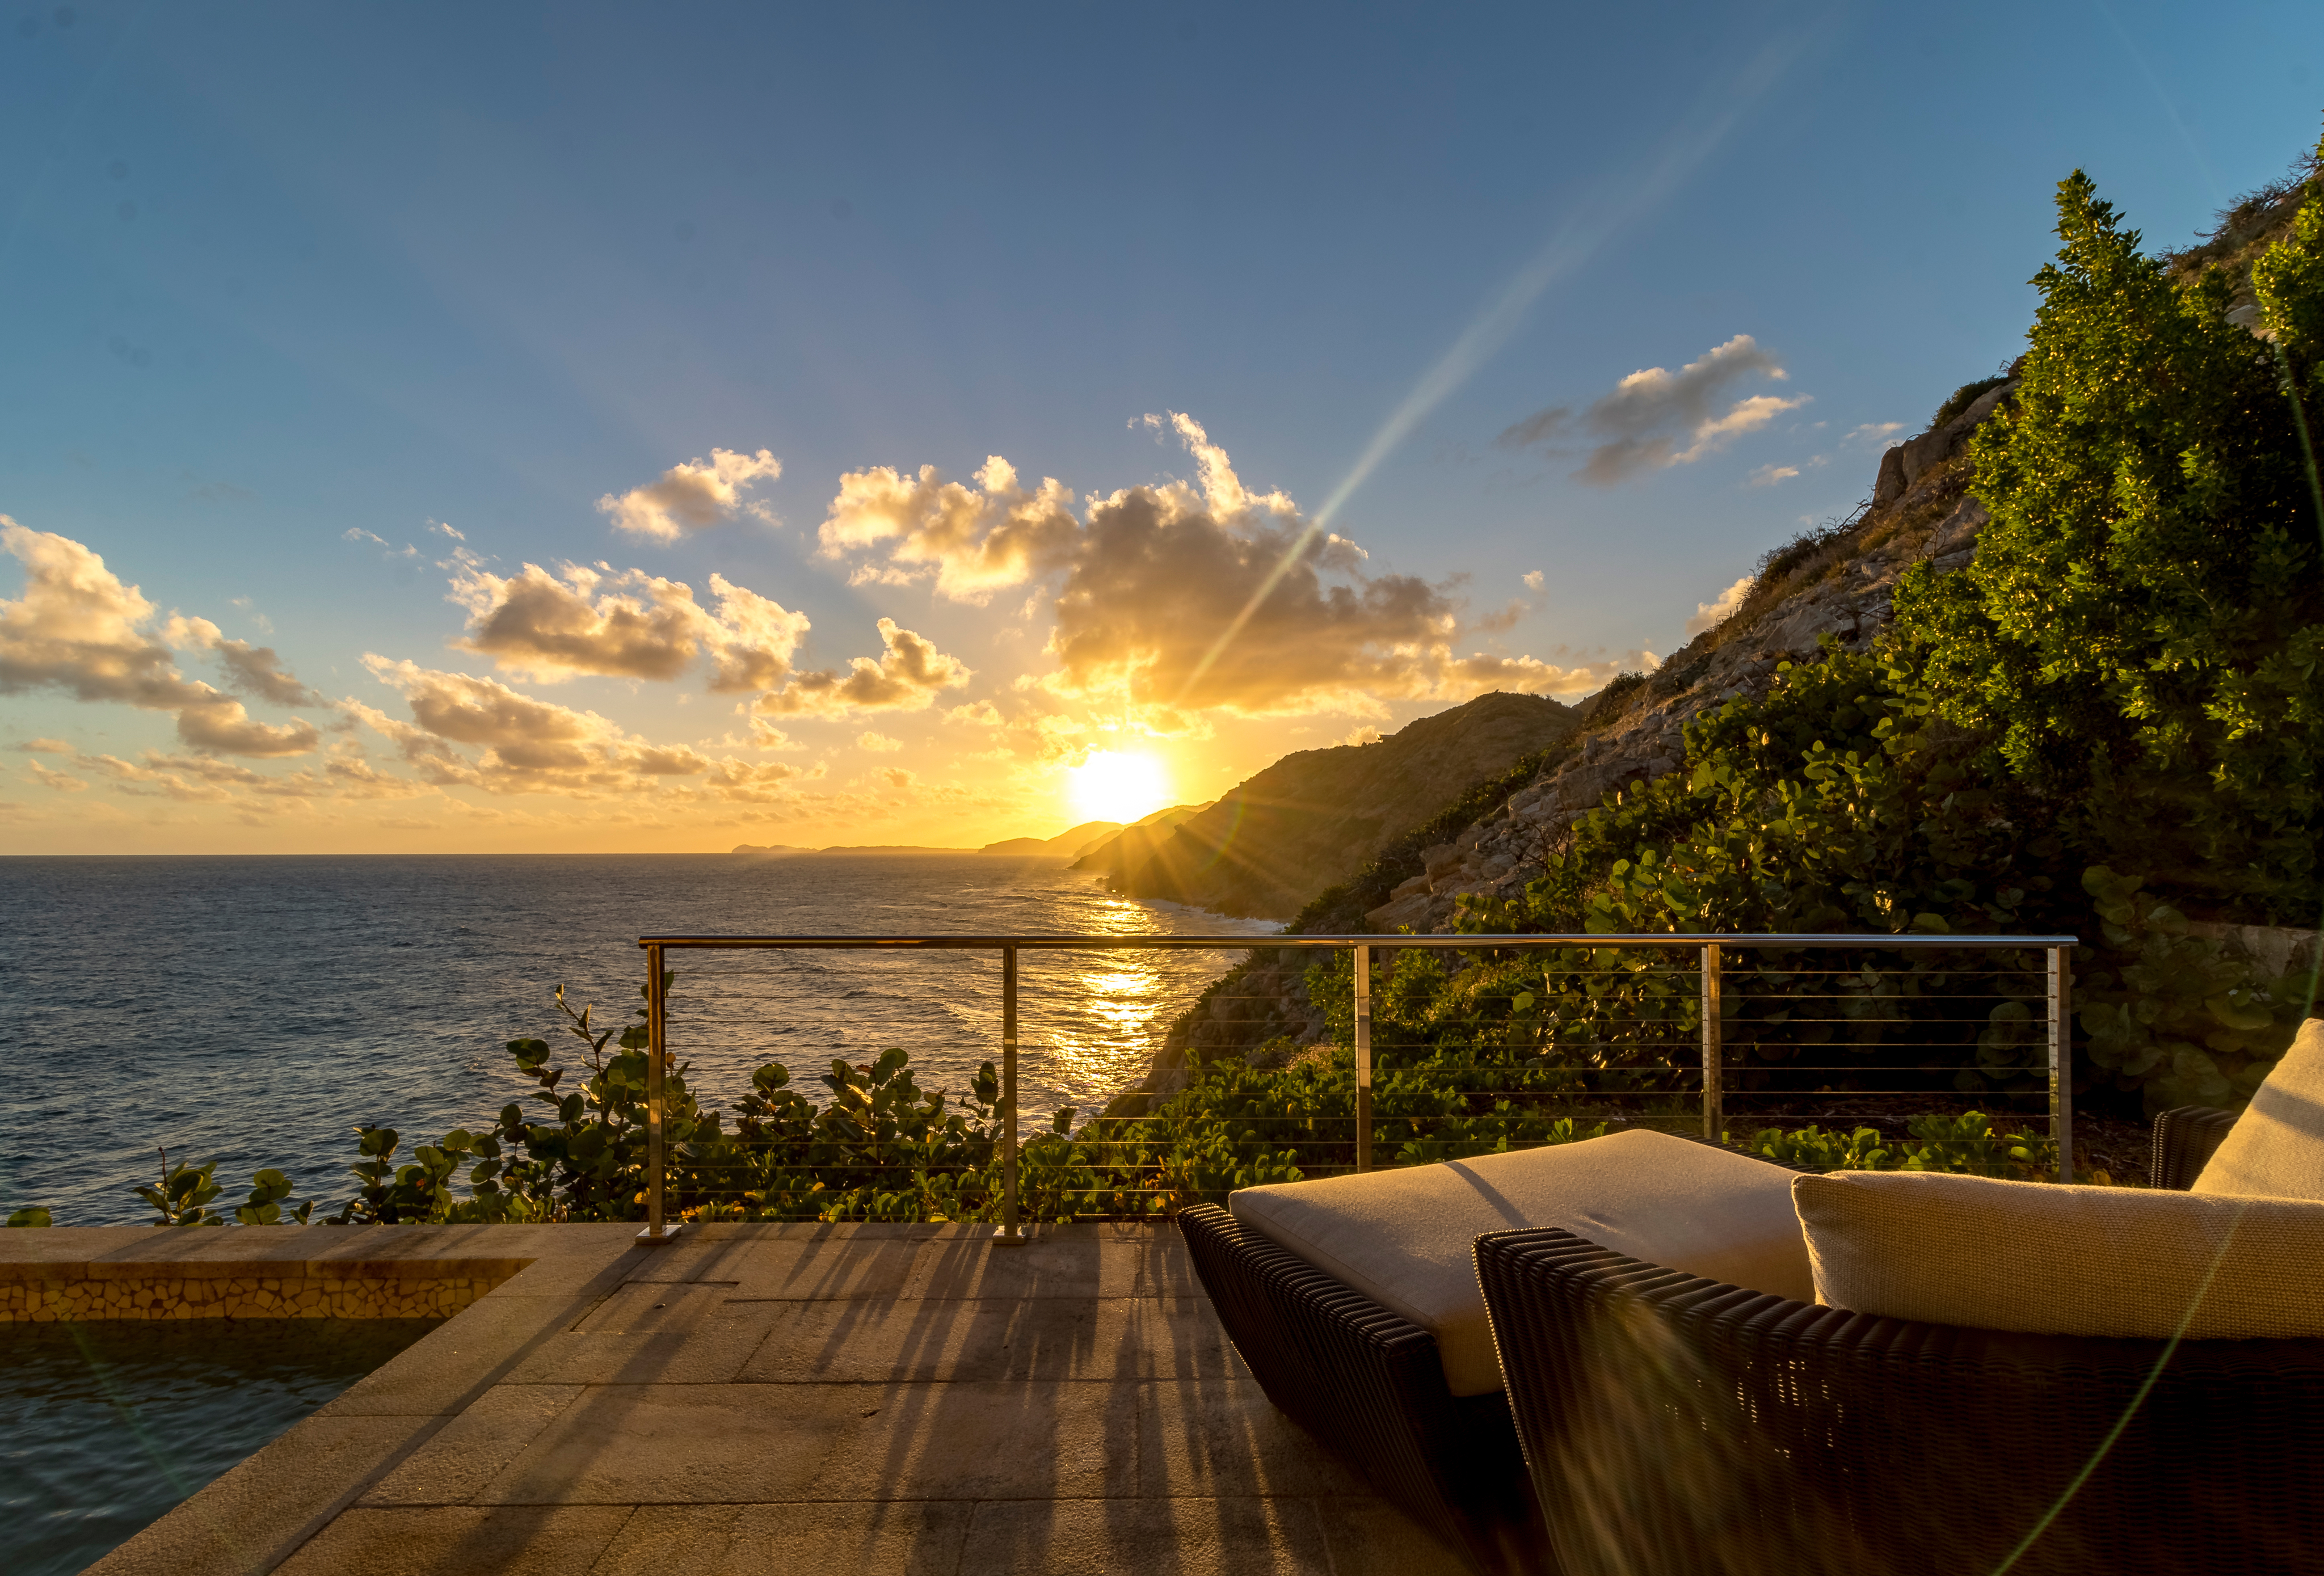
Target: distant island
[1070,844]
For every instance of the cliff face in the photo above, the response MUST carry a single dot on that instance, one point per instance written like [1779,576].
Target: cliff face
[1313,819]
[1839,586]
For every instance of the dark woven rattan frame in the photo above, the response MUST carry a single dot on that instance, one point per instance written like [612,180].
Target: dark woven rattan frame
[2183,1140]
[1675,1426]
[1369,1384]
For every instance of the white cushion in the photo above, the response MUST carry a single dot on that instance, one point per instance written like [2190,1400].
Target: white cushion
[1403,1237]
[2277,1147]
[2055,1260]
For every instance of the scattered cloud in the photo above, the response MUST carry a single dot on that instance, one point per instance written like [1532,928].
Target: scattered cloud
[79,629]
[1151,579]
[693,496]
[623,624]
[1768,475]
[358,534]
[1655,419]
[976,713]
[1534,580]
[878,743]
[1709,615]
[46,747]
[1873,434]
[906,676]
[526,744]
[255,671]
[743,782]
[972,540]
[47,777]
[440,529]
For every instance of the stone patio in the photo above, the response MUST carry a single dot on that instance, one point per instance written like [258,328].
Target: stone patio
[772,1398]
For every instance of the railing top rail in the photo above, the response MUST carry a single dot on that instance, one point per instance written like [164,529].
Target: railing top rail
[1033,943]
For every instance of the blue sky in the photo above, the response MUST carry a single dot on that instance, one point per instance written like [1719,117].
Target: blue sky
[284,280]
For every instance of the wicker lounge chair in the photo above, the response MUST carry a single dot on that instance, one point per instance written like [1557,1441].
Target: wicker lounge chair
[1369,1384]
[1675,1427]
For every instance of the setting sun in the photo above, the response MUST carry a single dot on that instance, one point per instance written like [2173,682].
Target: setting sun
[1111,787]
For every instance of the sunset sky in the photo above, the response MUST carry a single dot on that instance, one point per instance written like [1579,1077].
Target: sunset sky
[593,427]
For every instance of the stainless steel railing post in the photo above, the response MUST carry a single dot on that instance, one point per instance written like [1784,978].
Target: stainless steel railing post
[1714,1107]
[1364,1058]
[1008,1231]
[2061,1059]
[656,1033]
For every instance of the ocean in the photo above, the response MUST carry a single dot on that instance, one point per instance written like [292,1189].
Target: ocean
[255,1010]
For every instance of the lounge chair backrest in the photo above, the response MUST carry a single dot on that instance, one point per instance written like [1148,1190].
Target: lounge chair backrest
[2277,1147]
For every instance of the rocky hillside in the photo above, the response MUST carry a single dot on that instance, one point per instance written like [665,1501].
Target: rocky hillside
[1834,582]
[1314,818]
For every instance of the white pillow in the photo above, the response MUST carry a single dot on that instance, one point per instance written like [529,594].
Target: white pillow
[1404,1236]
[2036,1256]
[2277,1147]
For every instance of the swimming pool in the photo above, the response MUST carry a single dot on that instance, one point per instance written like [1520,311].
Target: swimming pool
[105,1426]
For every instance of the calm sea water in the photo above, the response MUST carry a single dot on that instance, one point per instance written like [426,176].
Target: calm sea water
[256,1009]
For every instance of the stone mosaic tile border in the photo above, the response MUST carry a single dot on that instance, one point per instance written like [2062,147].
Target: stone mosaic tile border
[52,1293]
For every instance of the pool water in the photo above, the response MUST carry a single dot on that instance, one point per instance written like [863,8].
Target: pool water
[106,1426]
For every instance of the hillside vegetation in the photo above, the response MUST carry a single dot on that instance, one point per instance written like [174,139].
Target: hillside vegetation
[2060,676]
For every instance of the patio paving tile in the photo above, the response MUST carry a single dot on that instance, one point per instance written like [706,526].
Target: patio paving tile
[866,1538]
[461,1541]
[453,1465]
[776,1400]
[1134,1537]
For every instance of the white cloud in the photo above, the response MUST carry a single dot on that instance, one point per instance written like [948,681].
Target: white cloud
[526,745]
[878,743]
[1534,580]
[1151,585]
[1712,614]
[1655,418]
[358,534]
[1768,475]
[441,529]
[973,540]
[79,629]
[1873,434]
[906,676]
[625,624]
[693,495]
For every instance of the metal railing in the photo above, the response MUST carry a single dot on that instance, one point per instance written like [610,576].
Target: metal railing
[1711,955]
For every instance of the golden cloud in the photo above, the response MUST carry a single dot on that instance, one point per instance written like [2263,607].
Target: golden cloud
[691,496]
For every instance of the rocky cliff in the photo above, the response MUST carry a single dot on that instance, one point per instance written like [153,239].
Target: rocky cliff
[1314,818]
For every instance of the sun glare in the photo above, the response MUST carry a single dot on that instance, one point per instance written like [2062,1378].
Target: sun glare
[1111,787]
